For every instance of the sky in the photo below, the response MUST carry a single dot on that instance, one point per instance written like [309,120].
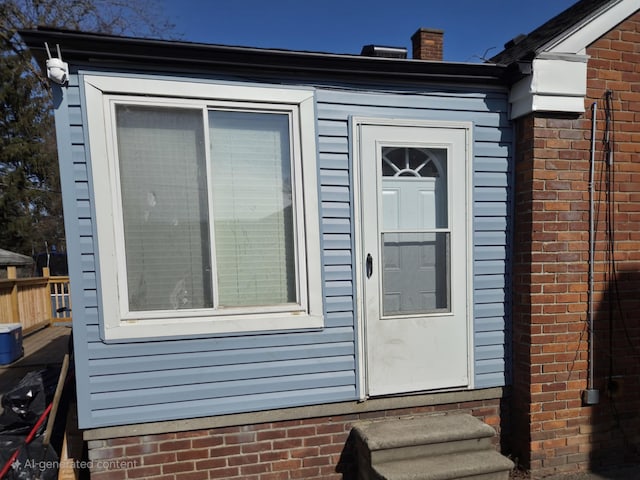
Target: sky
[473,29]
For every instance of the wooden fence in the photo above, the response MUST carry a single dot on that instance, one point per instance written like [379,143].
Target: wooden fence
[34,302]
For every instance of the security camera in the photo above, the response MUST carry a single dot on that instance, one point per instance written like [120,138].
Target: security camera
[57,71]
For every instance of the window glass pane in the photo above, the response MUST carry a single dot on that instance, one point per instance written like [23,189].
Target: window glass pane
[415,274]
[415,277]
[414,184]
[252,204]
[164,201]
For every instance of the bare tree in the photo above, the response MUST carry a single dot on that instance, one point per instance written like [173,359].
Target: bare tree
[30,200]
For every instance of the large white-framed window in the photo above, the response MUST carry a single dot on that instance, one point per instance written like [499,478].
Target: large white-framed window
[206,207]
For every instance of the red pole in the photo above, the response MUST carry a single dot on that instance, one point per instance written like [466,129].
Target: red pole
[32,434]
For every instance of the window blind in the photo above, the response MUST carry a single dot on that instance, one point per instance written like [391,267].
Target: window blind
[164,202]
[252,208]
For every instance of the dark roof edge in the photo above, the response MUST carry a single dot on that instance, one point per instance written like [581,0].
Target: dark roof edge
[98,49]
[526,47]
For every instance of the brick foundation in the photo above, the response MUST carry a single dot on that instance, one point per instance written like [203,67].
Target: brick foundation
[312,448]
[552,429]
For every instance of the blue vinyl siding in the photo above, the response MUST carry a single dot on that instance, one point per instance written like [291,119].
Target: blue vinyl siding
[492,183]
[135,382]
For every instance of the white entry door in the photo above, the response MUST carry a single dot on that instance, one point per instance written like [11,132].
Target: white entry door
[414,248]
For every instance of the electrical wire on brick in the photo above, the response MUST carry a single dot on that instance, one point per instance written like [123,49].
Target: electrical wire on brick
[614,300]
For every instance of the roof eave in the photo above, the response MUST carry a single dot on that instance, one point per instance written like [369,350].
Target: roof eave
[95,49]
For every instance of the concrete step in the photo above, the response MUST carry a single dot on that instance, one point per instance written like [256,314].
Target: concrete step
[477,465]
[423,436]
[432,447]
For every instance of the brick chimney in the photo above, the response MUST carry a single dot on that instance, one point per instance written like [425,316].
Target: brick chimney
[427,44]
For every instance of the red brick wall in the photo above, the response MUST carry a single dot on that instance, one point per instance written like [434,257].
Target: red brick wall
[552,428]
[315,448]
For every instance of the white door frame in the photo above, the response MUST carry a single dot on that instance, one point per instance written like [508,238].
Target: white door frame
[355,124]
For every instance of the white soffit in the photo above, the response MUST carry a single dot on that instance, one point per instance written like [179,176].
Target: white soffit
[556,84]
[558,79]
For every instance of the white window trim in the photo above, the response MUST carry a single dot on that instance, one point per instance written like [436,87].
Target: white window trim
[117,324]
